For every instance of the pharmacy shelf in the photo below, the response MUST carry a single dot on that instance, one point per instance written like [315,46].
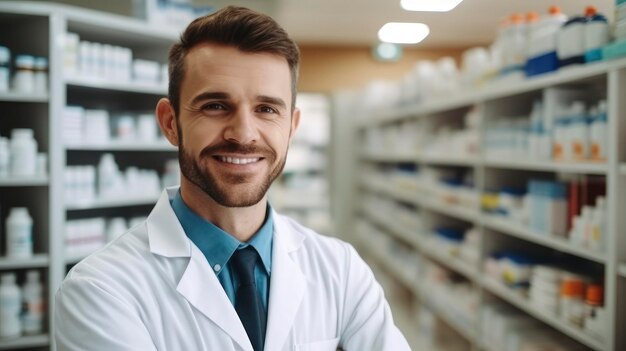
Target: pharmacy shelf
[397,230]
[390,157]
[395,269]
[466,269]
[36,261]
[554,166]
[123,146]
[490,91]
[470,215]
[522,303]
[468,161]
[22,97]
[23,181]
[452,210]
[621,269]
[403,195]
[397,157]
[513,229]
[450,320]
[283,198]
[117,202]
[128,87]
[25,342]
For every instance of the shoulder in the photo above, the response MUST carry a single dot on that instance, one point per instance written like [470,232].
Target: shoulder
[124,260]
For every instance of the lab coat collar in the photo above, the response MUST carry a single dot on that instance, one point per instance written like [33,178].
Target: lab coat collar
[165,234]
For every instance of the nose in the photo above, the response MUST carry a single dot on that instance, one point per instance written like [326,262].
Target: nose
[241,128]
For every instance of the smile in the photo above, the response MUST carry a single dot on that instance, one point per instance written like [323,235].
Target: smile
[237,160]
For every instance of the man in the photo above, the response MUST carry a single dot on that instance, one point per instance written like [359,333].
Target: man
[214,267]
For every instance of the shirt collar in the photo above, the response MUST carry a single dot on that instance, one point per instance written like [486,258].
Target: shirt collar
[218,245]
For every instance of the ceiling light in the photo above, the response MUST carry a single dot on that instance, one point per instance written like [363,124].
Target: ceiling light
[429,5]
[387,52]
[403,33]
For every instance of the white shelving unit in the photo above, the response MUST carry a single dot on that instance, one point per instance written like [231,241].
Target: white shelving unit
[28,181]
[606,79]
[25,342]
[36,261]
[21,97]
[117,145]
[102,84]
[109,203]
[39,28]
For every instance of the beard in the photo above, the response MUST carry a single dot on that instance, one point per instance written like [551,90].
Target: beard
[224,190]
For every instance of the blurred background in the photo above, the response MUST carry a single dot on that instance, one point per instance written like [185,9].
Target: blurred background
[474,153]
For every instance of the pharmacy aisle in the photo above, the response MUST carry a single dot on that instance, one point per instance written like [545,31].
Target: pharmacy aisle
[497,208]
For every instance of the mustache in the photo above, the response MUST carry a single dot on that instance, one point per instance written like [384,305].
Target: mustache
[236,149]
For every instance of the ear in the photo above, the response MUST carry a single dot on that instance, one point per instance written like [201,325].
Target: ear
[295,122]
[167,120]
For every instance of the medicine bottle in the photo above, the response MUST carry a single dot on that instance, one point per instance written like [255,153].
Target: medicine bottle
[10,307]
[24,78]
[32,298]
[23,152]
[41,75]
[5,157]
[572,304]
[19,233]
[5,72]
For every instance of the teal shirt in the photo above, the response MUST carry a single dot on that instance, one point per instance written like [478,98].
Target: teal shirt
[218,246]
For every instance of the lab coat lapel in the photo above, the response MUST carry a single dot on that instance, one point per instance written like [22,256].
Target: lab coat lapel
[287,285]
[198,284]
[202,289]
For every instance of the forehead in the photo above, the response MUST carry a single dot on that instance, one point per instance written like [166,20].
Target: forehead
[215,64]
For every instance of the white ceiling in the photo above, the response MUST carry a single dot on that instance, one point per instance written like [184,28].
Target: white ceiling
[356,22]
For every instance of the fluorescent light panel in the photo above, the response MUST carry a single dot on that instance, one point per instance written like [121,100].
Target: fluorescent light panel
[403,33]
[429,5]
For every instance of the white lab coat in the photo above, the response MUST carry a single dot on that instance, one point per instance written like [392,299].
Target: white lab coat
[153,289]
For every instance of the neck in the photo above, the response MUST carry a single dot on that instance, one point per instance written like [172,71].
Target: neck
[240,222]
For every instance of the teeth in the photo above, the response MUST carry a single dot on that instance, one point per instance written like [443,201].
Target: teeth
[238,161]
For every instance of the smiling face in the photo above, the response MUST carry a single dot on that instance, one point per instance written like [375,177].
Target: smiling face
[235,122]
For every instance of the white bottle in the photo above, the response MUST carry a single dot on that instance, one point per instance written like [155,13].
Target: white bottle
[597,133]
[598,225]
[41,75]
[24,77]
[579,134]
[32,297]
[19,233]
[5,157]
[109,177]
[10,307]
[596,30]
[23,153]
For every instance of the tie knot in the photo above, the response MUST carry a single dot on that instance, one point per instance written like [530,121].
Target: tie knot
[244,261]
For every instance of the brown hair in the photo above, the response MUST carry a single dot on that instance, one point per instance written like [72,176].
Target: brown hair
[239,27]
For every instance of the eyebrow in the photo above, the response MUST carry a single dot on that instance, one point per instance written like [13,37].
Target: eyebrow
[272,100]
[208,95]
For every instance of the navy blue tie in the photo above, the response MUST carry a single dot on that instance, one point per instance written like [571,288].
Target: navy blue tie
[248,302]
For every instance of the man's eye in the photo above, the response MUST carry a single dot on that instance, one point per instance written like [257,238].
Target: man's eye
[267,109]
[213,106]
